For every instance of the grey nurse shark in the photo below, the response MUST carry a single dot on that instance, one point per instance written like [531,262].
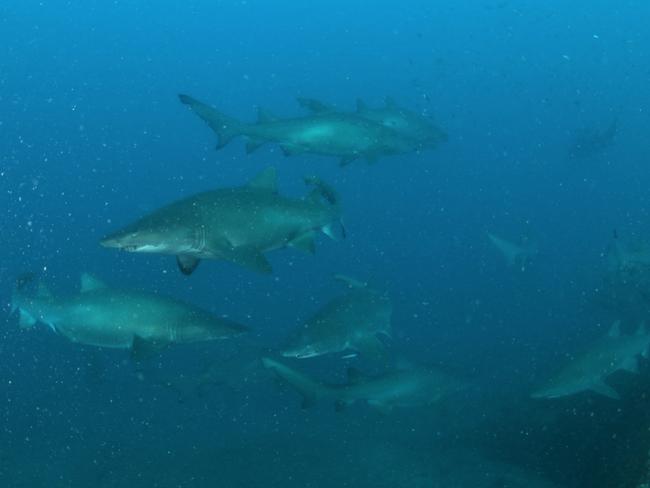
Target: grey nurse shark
[234,224]
[589,370]
[351,321]
[404,386]
[342,135]
[124,319]
[412,125]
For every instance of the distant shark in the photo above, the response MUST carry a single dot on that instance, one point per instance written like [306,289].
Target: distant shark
[589,370]
[406,386]
[345,136]
[411,125]
[352,321]
[235,224]
[588,143]
[518,255]
[124,319]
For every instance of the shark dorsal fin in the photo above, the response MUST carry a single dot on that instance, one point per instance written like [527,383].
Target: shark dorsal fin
[390,102]
[361,105]
[266,180]
[264,116]
[313,105]
[91,283]
[615,330]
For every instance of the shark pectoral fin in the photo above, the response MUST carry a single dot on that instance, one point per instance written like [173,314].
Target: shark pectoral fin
[253,145]
[304,242]
[144,349]
[370,347]
[603,388]
[250,258]
[25,319]
[187,264]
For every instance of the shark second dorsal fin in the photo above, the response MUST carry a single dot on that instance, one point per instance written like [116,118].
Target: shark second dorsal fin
[264,116]
[313,105]
[91,283]
[266,180]
[615,330]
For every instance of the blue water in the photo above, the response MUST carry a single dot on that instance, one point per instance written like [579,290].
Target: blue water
[92,136]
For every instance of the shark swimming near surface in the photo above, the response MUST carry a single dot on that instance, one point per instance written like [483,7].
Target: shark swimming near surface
[406,385]
[234,224]
[341,135]
[351,321]
[123,319]
[589,370]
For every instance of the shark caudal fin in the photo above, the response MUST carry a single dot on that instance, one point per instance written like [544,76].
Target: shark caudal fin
[310,389]
[226,128]
[27,291]
[324,192]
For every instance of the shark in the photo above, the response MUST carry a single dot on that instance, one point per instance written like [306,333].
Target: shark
[410,124]
[518,255]
[234,224]
[589,370]
[344,136]
[590,142]
[406,385]
[106,317]
[351,321]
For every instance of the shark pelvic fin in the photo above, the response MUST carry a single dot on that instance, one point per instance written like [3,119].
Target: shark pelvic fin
[187,264]
[91,283]
[335,231]
[266,180]
[144,349]
[264,116]
[250,258]
[603,388]
[291,150]
[313,105]
[370,347]
[304,242]
[345,160]
[25,319]
[361,106]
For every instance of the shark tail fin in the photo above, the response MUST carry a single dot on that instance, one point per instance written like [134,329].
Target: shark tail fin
[324,192]
[25,285]
[310,389]
[226,128]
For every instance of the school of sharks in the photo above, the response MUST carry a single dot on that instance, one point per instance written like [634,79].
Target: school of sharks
[241,225]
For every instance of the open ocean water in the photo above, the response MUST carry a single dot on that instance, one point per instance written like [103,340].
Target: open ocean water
[506,249]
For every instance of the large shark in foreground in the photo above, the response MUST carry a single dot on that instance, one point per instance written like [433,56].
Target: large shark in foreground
[124,319]
[589,370]
[409,124]
[235,224]
[350,321]
[345,136]
[407,386]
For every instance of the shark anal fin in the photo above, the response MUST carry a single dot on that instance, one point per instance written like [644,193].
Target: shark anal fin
[304,242]
[250,258]
[187,264]
[335,231]
[346,160]
[143,349]
[289,150]
[253,145]
[603,388]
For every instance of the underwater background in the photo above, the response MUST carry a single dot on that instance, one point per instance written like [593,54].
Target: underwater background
[92,136]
